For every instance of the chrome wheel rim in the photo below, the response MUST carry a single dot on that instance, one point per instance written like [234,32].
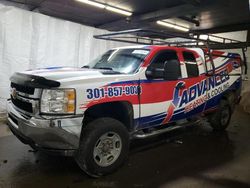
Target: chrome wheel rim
[107,149]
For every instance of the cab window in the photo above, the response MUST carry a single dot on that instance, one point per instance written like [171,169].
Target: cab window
[167,61]
[191,64]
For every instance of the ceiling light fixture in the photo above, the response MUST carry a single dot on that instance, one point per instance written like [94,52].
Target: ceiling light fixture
[173,26]
[106,7]
[119,11]
[203,37]
[93,3]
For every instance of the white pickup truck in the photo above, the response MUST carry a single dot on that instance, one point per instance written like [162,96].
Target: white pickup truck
[93,112]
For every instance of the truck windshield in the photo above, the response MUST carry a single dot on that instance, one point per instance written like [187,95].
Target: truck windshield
[124,61]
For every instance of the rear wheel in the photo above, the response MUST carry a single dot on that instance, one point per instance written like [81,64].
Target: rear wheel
[104,147]
[220,120]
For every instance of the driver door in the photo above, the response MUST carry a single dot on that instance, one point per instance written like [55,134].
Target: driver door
[157,99]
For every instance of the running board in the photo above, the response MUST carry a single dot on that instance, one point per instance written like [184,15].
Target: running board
[141,135]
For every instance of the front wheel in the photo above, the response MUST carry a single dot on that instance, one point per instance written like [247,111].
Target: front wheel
[220,120]
[104,147]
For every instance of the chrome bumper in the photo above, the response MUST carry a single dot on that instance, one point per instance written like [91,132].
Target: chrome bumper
[56,134]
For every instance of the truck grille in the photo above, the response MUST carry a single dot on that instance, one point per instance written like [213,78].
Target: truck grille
[23,105]
[23,89]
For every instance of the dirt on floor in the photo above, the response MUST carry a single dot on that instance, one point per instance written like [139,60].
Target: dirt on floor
[190,157]
[4,130]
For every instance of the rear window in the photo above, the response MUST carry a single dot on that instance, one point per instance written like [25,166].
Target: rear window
[191,64]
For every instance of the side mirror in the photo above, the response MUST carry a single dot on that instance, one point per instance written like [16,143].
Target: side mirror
[154,73]
[149,73]
[172,70]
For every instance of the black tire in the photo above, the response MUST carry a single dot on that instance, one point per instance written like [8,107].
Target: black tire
[91,142]
[220,120]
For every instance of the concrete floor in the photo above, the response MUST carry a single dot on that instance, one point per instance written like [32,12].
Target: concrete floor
[191,157]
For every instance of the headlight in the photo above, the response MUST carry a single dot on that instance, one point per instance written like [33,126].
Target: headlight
[58,101]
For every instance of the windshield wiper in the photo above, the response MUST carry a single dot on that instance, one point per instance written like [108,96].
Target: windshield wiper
[86,66]
[109,68]
[105,68]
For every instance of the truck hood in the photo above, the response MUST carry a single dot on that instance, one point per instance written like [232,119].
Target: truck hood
[61,73]
[55,76]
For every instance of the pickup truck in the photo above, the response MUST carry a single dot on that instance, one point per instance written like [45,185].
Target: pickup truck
[92,113]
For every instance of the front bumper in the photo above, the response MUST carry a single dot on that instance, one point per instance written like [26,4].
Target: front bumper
[59,136]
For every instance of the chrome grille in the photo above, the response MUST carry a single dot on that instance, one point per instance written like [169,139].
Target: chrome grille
[25,98]
[23,105]
[23,89]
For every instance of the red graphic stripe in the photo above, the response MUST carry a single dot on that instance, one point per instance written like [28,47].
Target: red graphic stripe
[170,113]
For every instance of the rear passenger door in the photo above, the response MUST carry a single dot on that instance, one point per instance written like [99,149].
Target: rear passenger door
[191,64]
[193,98]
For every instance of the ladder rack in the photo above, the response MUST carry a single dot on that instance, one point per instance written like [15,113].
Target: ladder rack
[151,37]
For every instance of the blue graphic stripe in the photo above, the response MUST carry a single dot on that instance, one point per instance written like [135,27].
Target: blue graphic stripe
[146,119]
[53,68]
[137,81]
[161,118]
[223,64]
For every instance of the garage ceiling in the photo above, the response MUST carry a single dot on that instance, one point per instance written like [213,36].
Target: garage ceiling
[201,16]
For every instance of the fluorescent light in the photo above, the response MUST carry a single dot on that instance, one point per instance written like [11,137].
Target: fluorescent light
[181,28]
[93,3]
[203,37]
[119,11]
[107,7]
[165,24]
[174,26]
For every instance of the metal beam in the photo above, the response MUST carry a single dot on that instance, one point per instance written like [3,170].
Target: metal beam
[223,29]
[241,45]
[192,2]
[188,7]
[244,60]
[187,19]
[35,7]
[153,16]
[167,13]
[248,35]
[229,45]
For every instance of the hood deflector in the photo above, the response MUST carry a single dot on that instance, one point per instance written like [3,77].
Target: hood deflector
[33,81]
